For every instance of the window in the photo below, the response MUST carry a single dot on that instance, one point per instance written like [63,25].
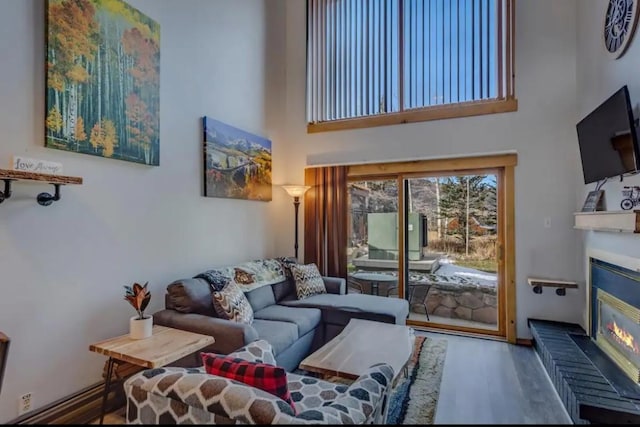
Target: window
[377,62]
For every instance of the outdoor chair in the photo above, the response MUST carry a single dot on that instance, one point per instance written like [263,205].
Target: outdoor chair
[354,286]
[412,290]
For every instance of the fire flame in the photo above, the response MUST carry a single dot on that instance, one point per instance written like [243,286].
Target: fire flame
[623,337]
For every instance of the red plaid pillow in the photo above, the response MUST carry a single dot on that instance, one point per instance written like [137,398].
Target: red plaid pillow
[269,378]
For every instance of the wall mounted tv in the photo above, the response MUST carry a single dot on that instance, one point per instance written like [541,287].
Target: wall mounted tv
[608,139]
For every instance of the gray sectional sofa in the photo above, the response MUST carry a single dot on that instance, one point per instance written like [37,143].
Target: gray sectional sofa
[294,328]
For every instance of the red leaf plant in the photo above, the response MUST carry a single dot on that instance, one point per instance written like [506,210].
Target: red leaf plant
[139,297]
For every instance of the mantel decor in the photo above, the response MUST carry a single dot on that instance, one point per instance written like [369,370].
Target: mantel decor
[594,201]
[103,80]
[620,21]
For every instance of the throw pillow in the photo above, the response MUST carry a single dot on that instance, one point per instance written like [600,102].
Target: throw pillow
[308,280]
[269,378]
[230,303]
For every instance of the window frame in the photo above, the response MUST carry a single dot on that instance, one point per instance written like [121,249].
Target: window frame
[504,103]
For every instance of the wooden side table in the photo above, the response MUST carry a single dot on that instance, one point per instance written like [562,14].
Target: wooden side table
[166,345]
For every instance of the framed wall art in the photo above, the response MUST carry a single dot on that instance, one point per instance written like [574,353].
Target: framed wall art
[103,80]
[237,164]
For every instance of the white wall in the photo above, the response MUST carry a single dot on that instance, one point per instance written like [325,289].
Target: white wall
[542,132]
[598,77]
[63,266]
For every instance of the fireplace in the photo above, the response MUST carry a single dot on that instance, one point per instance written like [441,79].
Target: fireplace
[618,333]
[596,372]
[614,324]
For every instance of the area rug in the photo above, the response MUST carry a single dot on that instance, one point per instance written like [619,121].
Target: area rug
[414,399]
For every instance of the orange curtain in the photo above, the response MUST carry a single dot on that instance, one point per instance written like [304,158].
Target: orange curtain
[325,220]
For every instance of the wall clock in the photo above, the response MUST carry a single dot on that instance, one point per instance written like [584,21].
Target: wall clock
[619,26]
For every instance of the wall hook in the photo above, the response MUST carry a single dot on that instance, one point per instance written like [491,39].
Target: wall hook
[46,199]
[7,190]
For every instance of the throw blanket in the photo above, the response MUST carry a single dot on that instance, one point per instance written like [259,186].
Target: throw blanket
[249,275]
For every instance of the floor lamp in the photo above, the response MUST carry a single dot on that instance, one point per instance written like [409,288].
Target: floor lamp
[4,350]
[296,191]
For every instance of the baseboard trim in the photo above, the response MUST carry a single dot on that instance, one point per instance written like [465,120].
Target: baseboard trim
[528,342]
[79,408]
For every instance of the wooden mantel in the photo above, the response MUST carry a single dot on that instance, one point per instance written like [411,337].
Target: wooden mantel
[612,221]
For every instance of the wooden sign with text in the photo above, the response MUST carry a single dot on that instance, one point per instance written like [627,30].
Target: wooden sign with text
[26,164]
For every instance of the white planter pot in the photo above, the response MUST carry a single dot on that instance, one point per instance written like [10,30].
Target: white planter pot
[140,329]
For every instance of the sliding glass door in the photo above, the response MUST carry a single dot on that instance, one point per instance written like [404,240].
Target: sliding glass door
[451,265]
[439,235]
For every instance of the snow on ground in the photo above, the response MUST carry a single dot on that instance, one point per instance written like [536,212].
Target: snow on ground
[448,272]
[452,274]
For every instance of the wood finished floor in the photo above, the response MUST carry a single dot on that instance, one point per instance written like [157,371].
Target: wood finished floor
[486,382]
[491,382]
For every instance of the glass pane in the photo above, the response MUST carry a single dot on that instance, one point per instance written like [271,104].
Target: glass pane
[372,255]
[452,248]
[450,52]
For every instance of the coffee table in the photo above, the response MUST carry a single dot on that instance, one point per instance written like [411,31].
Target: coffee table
[362,343]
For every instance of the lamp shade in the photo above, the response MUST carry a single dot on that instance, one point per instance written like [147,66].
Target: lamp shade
[296,190]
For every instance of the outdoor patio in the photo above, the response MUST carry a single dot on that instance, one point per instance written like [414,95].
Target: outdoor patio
[452,295]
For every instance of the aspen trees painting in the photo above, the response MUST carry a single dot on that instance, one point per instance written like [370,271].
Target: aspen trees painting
[103,80]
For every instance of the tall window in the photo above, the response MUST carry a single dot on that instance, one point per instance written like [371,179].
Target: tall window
[376,62]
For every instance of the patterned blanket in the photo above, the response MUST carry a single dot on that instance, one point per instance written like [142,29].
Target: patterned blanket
[249,275]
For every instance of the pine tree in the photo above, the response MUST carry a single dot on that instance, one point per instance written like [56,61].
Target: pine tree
[463,198]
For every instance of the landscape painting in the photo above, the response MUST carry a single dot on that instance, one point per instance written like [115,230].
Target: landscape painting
[103,80]
[237,164]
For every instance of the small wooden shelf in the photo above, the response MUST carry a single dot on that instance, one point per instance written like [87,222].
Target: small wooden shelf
[44,199]
[561,285]
[42,177]
[612,221]
[552,283]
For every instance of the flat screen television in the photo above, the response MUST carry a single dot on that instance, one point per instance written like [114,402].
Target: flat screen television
[608,139]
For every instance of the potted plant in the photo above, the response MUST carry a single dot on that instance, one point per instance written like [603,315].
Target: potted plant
[140,326]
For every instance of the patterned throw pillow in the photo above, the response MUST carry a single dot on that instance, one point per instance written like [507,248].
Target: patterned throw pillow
[269,378]
[216,279]
[308,280]
[230,303]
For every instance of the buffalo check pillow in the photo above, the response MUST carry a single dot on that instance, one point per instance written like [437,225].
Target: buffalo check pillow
[272,379]
[308,280]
